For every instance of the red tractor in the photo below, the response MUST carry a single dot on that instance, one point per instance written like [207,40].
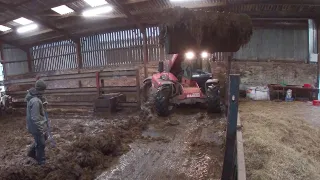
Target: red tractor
[184,82]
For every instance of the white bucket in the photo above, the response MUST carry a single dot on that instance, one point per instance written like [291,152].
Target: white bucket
[250,92]
[258,93]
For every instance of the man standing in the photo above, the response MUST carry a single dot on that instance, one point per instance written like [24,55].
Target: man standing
[36,121]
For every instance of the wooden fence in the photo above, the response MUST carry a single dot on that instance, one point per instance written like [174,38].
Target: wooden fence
[73,89]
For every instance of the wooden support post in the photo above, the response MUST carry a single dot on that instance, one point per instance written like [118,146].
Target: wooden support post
[145,52]
[98,83]
[29,61]
[138,88]
[229,157]
[318,69]
[3,61]
[228,72]
[79,54]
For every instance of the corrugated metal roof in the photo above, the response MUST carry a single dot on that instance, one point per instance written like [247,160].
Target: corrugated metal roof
[147,10]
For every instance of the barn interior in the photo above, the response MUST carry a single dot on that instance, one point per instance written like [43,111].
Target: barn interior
[96,57]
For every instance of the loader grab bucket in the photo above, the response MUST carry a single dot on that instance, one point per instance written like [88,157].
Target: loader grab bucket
[200,30]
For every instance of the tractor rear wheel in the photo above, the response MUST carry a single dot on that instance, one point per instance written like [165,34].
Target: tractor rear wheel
[162,103]
[213,100]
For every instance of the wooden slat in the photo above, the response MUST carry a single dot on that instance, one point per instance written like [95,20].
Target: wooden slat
[73,76]
[82,90]
[240,152]
[77,104]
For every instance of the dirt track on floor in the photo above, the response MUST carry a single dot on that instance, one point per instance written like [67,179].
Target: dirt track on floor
[188,145]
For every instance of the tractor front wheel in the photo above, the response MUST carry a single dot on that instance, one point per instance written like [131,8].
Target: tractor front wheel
[146,91]
[163,106]
[213,100]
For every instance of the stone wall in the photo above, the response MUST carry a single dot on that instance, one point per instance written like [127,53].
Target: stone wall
[254,73]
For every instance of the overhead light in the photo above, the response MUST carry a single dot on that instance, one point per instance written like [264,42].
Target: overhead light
[95,3]
[23,21]
[27,28]
[204,54]
[4,28]
[63,9]
[97,11]
[190,55]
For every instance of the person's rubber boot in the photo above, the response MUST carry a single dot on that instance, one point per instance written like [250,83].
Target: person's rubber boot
[41,163]
[32,154]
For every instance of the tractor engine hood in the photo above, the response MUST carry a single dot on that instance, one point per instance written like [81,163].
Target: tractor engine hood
[164,77]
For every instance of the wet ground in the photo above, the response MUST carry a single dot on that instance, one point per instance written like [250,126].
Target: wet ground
[129,145]
[188,145]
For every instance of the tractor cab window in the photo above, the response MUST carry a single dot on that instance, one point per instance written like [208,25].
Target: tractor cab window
[187,69]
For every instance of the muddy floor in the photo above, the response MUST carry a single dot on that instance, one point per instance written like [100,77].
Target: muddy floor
[128,145]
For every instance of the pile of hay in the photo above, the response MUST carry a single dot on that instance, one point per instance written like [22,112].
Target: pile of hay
[213,31]
[281,140]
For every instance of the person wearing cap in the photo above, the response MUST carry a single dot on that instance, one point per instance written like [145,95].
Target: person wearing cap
[36,121]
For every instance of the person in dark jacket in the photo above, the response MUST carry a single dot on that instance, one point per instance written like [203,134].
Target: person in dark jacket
[36,121]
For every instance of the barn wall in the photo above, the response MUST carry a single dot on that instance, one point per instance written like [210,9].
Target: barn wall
[11,54]
[273,56]
[257,73]
[276,44]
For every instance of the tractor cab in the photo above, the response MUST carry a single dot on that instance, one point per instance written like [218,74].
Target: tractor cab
[189,70]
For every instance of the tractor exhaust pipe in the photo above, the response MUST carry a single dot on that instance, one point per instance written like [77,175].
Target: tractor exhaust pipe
[161,67]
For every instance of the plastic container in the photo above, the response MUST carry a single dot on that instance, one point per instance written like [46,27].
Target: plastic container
[250,92]
[316,102]
[307,85]
[258,93]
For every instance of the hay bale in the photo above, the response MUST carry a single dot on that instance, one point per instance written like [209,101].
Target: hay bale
[182,29]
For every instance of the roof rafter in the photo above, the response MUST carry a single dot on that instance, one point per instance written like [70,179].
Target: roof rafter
[125,11]
[23,48]
[296,2]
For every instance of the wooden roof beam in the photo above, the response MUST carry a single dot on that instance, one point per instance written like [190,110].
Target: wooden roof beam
[125,11]
[23,48]
[134,1]
[296,2]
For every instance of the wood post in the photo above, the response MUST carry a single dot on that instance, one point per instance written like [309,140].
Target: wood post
[98,83]
[228,72]
[138,88]
[318,51]
[145,52]
[4,61]
[79,54]
[29,61]
[228,171]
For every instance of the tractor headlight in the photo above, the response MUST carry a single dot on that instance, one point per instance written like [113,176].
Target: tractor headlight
[164,77]
[190,55]
[204,54]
